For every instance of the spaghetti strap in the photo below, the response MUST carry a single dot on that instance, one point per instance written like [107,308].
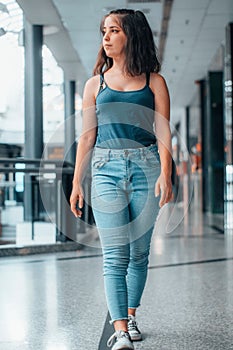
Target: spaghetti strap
[101,80]
[148,78]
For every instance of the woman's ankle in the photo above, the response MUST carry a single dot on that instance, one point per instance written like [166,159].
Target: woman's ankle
[121,325]
[132,312]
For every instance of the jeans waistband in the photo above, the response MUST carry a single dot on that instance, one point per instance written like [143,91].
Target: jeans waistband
[122,153]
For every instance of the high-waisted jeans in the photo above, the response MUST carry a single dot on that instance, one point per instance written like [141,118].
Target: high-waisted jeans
[125,209]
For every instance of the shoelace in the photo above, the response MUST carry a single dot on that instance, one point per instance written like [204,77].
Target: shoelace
[132,325]
[117,334]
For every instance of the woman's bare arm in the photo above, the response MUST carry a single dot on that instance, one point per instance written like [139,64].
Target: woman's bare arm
[163,135]
[85,145]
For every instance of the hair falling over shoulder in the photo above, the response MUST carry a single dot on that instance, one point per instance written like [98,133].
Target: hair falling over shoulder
[141,52]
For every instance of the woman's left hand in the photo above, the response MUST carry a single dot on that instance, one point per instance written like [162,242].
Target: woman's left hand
[163,187]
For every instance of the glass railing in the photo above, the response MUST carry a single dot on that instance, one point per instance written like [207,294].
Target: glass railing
[228,209]
[34,203]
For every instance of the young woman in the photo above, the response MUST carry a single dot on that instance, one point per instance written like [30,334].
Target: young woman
[129,134]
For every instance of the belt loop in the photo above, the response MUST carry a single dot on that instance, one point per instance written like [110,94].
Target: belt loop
[142,153]
[109,152]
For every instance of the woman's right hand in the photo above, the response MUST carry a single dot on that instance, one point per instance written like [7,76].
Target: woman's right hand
[76,197]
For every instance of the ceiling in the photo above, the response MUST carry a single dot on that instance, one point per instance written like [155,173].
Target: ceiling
[196,30]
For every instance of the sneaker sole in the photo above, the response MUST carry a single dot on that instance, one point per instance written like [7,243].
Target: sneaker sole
[136,339]
[125,349]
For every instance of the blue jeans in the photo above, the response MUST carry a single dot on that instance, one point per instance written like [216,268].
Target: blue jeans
[125,209]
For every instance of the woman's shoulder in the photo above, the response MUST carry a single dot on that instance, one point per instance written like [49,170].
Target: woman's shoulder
[158,83]
[92,84]
[157,79]
[93,81]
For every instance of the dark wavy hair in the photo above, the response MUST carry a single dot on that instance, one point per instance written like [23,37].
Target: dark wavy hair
[141,52]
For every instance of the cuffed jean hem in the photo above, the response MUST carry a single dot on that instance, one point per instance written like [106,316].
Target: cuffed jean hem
[133,307]
[118,319]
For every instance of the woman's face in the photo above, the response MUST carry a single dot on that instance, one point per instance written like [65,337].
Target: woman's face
[114,39]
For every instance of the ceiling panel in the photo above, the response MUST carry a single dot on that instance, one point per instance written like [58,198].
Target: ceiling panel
[217,21]
[178,31]
[180,44]
[220,7]
[181,15]
[191,4]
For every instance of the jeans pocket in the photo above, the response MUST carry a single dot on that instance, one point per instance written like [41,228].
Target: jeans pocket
[98,162]
[153,159]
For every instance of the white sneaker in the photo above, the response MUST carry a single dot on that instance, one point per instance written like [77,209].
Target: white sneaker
[122,341]
[133,330]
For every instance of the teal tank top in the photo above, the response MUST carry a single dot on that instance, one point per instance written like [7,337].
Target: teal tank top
[125,119]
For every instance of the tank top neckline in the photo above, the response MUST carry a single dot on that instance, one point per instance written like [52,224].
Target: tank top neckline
[138,90]
[102,81]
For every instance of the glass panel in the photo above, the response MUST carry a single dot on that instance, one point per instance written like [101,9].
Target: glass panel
[228,130]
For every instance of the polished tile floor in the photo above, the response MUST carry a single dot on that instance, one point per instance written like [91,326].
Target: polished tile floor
[56,301]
